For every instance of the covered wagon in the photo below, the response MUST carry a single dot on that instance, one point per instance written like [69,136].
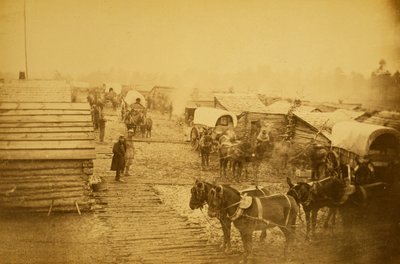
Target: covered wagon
[217,120]
[355,142]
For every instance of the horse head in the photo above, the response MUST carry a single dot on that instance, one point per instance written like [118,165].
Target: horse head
[299,191]
[199,195]
[364,171]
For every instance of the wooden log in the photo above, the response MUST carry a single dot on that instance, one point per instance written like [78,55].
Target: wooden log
[26,112]
[45,118]
[59,129]
[42,125]
[45,154]
[47,144]
[54,185]
[7,181]
[52,196]
[53,171]
[53,106]
[44,204]
[47,136]
[45,194]
[40,164]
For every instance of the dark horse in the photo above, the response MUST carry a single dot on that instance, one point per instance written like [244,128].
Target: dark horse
[199,197]
[327,192]
[269,211]
[146,127]
[238,154]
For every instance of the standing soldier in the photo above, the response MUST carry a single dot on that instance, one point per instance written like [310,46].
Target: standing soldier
[102,126]
[118,160]
[205,148]
[130,152]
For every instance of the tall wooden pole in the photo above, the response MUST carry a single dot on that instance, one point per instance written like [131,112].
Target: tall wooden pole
[26,51]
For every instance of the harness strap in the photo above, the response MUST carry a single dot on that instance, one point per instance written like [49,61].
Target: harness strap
[290,209]
[259,208]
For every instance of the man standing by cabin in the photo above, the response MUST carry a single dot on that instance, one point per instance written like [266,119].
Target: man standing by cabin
[130,152]
[118,160]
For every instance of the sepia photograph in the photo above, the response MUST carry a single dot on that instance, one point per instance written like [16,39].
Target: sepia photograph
[199,132]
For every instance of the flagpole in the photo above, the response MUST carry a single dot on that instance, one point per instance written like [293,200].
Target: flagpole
[26,51]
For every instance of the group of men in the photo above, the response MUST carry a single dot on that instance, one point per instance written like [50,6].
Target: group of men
[124,150]
[262,143]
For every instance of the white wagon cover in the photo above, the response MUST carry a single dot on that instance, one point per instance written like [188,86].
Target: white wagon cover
[131,97]
[208,116]
[357,137]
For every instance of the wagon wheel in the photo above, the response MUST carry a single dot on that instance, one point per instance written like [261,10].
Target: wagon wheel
[194,139]
[332,163]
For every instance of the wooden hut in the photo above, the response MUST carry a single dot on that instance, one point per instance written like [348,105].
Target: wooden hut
[46,147]
[309,124]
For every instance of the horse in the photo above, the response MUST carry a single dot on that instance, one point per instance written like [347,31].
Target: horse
[199,195]
[146,126]
[278,210]
[241,155]
[327,192]
[225,153]
[137,121]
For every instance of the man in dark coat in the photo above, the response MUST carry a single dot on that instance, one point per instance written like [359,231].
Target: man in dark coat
[118,160]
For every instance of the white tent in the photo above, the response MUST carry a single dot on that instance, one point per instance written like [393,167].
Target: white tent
[209,116]
[131,97]
[357,137]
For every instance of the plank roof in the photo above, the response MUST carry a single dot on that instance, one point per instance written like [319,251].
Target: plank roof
[283,106]
[383,118]
[35,91]
[238,103]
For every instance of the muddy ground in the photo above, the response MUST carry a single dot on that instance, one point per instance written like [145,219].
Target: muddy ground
[147,219]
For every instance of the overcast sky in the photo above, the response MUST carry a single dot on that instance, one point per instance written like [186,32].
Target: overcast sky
[168,36]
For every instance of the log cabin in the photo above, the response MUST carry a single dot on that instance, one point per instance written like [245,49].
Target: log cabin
[46,147]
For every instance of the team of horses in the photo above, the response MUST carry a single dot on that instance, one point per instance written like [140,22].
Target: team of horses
[139,122]
[236,155]
[257,209]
